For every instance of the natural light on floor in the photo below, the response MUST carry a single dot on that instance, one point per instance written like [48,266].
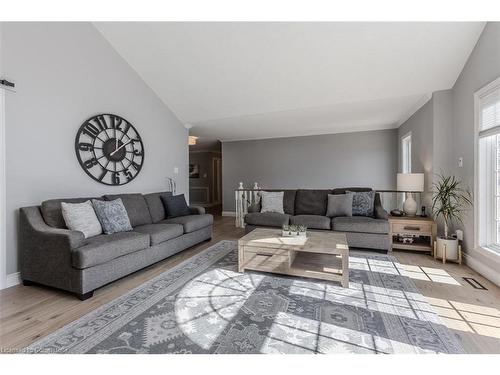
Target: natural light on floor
[467,317]
[393,268]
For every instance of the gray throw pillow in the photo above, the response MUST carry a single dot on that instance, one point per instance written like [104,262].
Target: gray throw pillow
[362,203]
[272,201]
[112,215]
[339,205]
[81,217]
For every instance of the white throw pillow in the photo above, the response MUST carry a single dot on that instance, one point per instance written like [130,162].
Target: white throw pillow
[272,201]
[81,217]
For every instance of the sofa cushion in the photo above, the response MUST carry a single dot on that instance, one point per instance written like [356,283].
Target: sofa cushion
[267,219]
[52,213]
[191,223]
[311,202]
[175,206]
[160,232]
[155,205]
[289,201]
[136,206]
[106,247]
[360,224]
[311,221]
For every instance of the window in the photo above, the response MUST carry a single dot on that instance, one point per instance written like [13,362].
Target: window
[487,106]
[406,153]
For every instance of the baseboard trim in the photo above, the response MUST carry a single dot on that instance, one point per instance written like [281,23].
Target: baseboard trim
[229,213]
[13,279]
[482,269]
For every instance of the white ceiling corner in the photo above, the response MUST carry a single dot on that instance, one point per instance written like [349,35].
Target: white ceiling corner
[262,80]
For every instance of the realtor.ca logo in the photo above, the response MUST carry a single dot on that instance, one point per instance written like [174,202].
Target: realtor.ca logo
[31,350]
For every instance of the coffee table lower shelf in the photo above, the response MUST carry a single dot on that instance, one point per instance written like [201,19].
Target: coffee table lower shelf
[313,265]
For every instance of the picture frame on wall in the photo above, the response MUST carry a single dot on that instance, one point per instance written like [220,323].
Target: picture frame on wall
[194,171]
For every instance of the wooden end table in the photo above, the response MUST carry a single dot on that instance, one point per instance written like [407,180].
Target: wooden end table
[423,230]
[320,255]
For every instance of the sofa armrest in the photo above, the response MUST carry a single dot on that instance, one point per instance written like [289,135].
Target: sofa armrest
[254,208]
[45,252]
[380,213]
[378,210]
[196,210]
[34,227]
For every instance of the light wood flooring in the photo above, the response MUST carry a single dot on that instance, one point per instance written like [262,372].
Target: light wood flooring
[29,313]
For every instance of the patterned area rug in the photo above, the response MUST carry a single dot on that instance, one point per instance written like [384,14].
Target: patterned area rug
[205,306]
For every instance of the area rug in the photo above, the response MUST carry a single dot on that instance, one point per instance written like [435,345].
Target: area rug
[204,305]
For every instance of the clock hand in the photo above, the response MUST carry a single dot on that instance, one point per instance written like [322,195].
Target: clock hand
[119,148]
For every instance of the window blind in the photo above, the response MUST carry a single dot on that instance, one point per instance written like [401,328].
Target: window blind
[489,123]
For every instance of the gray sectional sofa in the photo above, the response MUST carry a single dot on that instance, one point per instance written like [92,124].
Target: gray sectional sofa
[308,207]
[52,255]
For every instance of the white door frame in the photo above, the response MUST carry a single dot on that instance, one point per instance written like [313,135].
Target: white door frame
[3,223]
[217,180]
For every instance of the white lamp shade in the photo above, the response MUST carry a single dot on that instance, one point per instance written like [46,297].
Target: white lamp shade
[411,182]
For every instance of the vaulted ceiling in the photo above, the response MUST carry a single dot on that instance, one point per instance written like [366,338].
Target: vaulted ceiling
[249,80]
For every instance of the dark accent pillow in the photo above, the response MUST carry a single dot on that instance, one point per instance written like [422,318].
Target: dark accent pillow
[339,205]
[362,203]
[175,206]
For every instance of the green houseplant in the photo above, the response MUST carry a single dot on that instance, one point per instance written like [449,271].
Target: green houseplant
[449,202]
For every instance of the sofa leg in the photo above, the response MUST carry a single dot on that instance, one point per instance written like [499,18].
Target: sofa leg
[28,283]
[84,296]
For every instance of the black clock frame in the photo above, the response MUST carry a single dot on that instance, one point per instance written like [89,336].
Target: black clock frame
[95,130]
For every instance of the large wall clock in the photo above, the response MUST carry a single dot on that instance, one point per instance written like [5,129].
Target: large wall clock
[109,149]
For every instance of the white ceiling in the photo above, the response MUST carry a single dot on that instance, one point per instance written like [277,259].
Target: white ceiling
[262,80]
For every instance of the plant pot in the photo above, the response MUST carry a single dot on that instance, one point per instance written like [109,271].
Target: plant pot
[451,246]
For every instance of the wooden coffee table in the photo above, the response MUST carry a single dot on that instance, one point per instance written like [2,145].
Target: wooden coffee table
[321,255]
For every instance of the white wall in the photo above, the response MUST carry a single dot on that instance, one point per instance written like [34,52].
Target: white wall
[319,161]
[65,73]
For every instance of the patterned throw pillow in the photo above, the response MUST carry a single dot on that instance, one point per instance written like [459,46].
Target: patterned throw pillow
[272,201]
[112,215]
[81,217]
[362,203]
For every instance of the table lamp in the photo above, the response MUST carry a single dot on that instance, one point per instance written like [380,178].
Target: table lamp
[410,183]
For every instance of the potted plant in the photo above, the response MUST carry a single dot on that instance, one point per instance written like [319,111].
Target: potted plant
[449,201]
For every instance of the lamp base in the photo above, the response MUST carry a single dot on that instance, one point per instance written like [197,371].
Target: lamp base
[410,206]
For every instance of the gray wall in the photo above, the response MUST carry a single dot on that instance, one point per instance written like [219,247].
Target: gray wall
[64,73]
[420,126]
[322,161]
[482,67]
[443,130]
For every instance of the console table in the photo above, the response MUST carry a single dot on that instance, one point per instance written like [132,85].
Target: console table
[421,229]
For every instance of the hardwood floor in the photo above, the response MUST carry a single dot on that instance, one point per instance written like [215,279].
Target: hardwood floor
[28,313]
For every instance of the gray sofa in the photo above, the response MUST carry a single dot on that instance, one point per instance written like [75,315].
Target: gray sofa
[52,255]
[308,207]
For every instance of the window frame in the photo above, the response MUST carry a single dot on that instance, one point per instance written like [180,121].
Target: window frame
[406,140]
[478,96]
